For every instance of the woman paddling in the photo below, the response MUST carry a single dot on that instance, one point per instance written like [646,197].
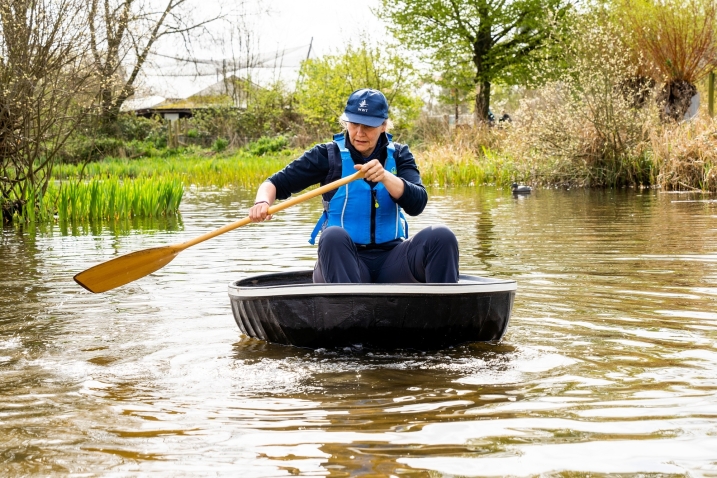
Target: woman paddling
[364,234]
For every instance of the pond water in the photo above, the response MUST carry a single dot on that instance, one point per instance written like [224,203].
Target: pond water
[609,365]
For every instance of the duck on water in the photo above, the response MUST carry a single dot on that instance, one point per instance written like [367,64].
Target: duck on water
[520,189]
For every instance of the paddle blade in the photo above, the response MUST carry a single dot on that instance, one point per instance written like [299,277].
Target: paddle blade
[125,269]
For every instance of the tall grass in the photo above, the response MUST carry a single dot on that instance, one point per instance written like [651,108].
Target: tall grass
[467,157]
[239,169]
[31,207]
[100,199]
[114,199]
[686,155]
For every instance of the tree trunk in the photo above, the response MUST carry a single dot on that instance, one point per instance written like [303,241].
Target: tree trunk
[481,48]
[482,105]
[675,99]
[107,118]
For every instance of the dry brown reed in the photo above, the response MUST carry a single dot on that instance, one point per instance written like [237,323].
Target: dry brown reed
[686,155]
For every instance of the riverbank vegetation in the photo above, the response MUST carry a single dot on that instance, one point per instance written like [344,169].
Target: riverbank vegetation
[191,166]
[541,92]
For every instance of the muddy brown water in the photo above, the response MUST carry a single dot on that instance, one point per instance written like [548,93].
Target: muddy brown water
[609,365]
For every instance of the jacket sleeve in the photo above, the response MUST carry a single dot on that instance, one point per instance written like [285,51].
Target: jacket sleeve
[308,169]
[414,197]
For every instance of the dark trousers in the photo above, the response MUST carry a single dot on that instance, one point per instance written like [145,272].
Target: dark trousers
[429,256]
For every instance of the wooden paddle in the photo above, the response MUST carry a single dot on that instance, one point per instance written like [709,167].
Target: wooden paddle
[135,265]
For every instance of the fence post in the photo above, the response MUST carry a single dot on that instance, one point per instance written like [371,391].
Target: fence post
[711,94]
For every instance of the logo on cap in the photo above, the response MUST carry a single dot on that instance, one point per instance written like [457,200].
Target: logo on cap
[362,107]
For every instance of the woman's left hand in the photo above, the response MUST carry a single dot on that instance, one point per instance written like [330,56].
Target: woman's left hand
[372,171]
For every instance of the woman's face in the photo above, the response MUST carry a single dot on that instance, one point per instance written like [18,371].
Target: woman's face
[364,138]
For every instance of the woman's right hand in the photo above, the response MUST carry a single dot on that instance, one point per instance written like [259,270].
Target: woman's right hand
[265,197]
[260,212]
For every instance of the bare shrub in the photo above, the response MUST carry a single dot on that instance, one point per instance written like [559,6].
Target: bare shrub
[585,127]
[122,35]
[43,73]
[679,38]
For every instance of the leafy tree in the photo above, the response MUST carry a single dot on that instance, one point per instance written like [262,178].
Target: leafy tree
[325,84]
[495,37]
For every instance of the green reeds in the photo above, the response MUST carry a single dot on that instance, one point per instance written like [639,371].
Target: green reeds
[30,207]
[114,199]
[240,169]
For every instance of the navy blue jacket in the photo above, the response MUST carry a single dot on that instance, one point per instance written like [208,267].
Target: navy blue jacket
[312,167]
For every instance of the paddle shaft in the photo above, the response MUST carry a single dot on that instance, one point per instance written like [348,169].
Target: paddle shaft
[130,267]
[273,209]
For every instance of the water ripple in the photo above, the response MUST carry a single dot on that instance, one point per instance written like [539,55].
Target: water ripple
[609,365]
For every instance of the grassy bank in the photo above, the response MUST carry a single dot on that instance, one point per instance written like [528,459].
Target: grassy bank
[149,187]
[196,167]
[672,156]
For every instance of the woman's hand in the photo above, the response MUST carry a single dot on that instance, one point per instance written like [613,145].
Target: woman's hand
[260,212]
[374,172]
[265,197]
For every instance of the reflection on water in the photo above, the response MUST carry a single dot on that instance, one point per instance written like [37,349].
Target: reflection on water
[609,365]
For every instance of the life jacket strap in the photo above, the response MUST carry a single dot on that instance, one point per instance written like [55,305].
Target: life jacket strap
[319,227]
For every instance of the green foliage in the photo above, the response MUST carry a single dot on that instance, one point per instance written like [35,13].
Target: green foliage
[267,113]
[132,136]
[219,145]
[80,148]
[474,43]
[266,145]
[326,83]
[131,127]
[216,122]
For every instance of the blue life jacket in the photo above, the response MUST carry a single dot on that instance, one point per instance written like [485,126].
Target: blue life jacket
[368,214]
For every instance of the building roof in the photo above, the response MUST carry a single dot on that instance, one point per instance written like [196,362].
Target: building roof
[228,92]
[144,102]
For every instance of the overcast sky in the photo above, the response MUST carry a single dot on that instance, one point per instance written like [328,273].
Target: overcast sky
[281,25]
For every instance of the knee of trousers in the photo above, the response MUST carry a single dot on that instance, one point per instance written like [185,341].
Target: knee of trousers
[334,236]
[440,234]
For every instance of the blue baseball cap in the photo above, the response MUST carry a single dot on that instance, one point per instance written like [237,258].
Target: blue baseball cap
[366,106]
